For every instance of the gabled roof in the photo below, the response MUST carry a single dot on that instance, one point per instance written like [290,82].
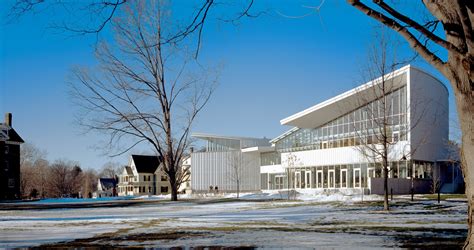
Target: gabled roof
[146,163]
[108,183]
[14,137]
[330,109]
[9,134]
[129,170]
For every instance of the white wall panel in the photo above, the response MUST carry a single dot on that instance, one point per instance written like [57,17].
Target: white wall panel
[338,156]
[272,169]
[216,169]
[428,116]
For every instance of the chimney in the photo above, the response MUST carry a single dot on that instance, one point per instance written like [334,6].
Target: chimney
[8,119]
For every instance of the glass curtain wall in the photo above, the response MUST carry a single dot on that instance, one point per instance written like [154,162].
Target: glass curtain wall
[347,129]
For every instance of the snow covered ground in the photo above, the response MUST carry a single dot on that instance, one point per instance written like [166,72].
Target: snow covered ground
[256,220]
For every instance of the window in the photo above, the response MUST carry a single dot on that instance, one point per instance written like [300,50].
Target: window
[11,183]
[369,139]
[279,182]
[7,149]
[164,178]
[164,189]
[395,137]
[7,165]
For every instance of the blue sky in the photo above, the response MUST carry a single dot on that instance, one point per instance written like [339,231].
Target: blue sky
[273,66]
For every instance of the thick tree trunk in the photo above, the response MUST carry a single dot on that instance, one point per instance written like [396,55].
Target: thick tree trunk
[465,108]
[173,184]
[174,191]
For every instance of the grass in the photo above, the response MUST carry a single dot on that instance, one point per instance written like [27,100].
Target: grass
[444,196]
[151,232]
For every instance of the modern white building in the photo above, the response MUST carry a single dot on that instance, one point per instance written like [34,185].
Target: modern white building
[225,161]
[331,145]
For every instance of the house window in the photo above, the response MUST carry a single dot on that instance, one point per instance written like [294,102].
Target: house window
[164,178]
[7,149]
[11,183]
[149,189]
[164,189]
[144,178]
[7,165]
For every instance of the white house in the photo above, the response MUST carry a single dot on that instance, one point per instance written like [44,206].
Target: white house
[185,187]
[106,187]
[143,176]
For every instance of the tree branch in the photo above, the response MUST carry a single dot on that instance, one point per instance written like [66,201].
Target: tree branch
[404,32]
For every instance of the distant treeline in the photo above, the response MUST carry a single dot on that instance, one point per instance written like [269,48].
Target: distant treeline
[62,178]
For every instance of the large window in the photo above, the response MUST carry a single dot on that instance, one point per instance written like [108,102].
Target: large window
[270,158]
[352,128]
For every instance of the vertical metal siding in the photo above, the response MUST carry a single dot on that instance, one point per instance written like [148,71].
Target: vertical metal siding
[215,169]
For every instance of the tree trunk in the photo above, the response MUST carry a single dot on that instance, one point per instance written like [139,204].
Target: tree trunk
[174,191]
[238,188]
[174,185]
[385,186]
[465,108]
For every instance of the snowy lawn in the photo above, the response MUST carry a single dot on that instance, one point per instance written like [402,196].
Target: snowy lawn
[256,220]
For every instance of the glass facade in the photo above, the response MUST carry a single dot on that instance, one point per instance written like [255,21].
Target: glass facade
[349,129]
[361,126]
[344,176]
[219,145]
[270,158]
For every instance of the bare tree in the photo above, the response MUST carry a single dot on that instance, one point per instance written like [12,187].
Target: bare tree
[291,162]
[457,22]
[94,16]
[65,179]
[380,124]
[27,174]
[235,159]
[89,183]
[147,90]
[110,170]
[33,170]
[58,185]
[436,185]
